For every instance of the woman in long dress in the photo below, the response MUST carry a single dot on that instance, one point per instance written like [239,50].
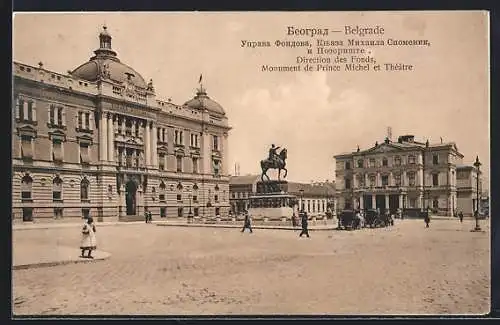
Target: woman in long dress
[88,238]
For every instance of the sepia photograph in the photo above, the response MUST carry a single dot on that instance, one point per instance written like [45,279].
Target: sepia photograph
[250,163]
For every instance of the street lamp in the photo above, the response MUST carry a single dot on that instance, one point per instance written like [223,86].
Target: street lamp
[301,200]
[477,164]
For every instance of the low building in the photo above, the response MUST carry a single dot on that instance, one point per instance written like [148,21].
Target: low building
[406,174]
[315,198]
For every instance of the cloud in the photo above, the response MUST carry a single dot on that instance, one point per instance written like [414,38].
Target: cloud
[302,115]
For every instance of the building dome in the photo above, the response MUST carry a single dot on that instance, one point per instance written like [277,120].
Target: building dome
[105,64]
[201,101]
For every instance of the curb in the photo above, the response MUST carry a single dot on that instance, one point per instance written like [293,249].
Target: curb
[237,227]
[55,263]
[72,225]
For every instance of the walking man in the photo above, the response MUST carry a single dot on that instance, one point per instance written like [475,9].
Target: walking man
[247,224]
[461,216]
[427,219]
[304,231]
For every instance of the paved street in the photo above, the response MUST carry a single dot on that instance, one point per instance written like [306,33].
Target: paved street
[186,270]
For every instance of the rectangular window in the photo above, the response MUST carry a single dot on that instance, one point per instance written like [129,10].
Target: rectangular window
[216,167]
[372,163]
[84,153]
[20,109]
[435,179]
[347,183]
[180,212]
[57,150]
[435,159]
[56,195]
[27,214]
[347,165]
[163,212]
[52,114]
[161,161]
[196,211]
[411,179]
[87,121]
[59,116]
[411,160]
[385,180]
[360,163]
[26,195]
[85,213]
[195,165]
[373,180]
[161,197]
[215,142]
[179,197]
[195,198]
[30,110]
[26,147]
[397,161]
[179,163]
[80,120]
[397,179]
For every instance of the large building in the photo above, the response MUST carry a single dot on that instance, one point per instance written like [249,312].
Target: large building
[406,174]
[98,141]
[315,198]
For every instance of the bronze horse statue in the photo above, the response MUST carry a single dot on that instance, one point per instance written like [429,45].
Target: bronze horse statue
[279,163]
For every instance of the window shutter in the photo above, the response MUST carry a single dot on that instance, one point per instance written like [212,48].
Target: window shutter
[63,117]
[33,108]
[17,108]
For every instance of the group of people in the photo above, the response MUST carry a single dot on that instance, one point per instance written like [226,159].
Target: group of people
[247,224]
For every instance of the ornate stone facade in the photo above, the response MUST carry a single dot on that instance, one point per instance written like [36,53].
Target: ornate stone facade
[98,141]
[402,175]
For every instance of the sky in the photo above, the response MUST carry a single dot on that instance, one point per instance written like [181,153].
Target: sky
[314,115]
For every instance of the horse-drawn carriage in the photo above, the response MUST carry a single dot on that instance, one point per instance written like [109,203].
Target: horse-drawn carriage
[372,218]
[349,220]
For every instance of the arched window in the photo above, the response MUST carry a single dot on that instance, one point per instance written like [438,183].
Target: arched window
[195,187]
[84,189]
[26,187]
[57,189]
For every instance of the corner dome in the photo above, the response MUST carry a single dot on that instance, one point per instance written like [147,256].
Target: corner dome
[105,64]
[201,101]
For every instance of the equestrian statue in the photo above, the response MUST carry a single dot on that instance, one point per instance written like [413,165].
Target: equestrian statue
[274,161]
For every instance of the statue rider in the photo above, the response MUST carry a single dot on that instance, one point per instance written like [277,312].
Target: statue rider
[273,155]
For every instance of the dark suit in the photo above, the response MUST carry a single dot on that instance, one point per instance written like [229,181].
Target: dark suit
[304,231]
[247,224]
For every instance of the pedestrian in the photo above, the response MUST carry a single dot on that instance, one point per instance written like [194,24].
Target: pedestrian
[88,238]
[461,216]
[304,231]
[247,223]
[146,216]
[427,219]
[150,216]
[294,220]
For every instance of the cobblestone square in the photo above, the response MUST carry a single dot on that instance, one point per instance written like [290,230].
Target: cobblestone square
[405,269]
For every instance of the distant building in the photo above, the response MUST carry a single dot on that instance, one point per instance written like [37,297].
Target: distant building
[98,141]
[315,198]
[406,174]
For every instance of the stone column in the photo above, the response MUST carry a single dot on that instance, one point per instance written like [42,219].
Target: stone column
[403,179]
[361,201]
[207,153]
[111,138]
[420,200]
[378,181]
[374,201]
[391,179]
[25,109]
[147,147]
[225,153]
[123,125]
[154,141]
[132,129]
[122,209]
[103,139]
[401,201]
[387,201]
[138,126]
[367,180]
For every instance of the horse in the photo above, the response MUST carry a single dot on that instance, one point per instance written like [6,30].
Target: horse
[278,164]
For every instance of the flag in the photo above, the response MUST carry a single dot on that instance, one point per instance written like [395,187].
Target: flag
[201,77]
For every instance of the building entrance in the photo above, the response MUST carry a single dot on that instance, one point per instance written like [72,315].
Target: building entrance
[130,197]
[393,203]
[380,200]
